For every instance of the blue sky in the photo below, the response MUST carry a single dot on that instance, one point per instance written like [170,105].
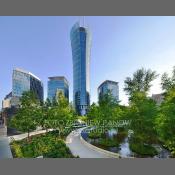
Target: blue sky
[120,45]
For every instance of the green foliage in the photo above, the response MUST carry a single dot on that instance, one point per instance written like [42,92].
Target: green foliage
[168,82]
[82,118]
[108,142]
[106,111]
[48,145]
[16,150]
[46,114]
[62,113]
[121,135]
[26,118]
[141,81]
[93,112]
[107,99]
[143,150]
[56,114]
[94,134]
[142,112]
[165,121]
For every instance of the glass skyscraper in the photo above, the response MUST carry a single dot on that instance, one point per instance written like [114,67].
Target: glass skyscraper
[56,85]
[25,81]
[81,46]
[107,86]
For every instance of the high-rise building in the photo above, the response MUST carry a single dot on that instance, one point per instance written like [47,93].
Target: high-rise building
[109,86]
[22,81]
[25,81]
[57,84]
[81,46]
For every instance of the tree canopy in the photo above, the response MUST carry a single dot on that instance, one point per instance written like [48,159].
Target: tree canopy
[26,118]
[141,81]
[168,82]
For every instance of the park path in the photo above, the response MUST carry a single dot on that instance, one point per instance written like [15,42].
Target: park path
[73,141]
[23,136]
[5,151]
[78,148]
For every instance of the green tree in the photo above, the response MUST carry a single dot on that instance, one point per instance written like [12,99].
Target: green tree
[93,112]
[62,113]
[26,118]
[142,112]
[46,113]
[165,121]
[105,112]
[141,81]
[168,82]
[107,104]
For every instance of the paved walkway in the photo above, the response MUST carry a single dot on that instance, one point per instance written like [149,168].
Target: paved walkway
[3,130]
[77,148]
[5,151]
[25,135]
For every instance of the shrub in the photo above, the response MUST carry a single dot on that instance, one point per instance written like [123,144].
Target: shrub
[121,135]
[94,135]
[108,142]
[16,150]
[143,150]
[48,145]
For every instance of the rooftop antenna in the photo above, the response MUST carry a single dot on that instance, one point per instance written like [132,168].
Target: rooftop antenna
[79,20]
[83,21]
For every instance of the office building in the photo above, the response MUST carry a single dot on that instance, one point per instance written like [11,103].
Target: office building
[25,81]
[109,86]
[22,81]
[57,84]
[81,45]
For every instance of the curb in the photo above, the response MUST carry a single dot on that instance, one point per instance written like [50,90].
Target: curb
[108,153]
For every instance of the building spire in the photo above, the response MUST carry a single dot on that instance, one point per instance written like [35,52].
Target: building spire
[82,21]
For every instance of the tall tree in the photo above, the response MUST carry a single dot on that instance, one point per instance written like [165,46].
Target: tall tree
[63,114]
[141,81]
[46,113]
[93,112]
[165,121]
[142,113]
[107,103]
[168,82]
[26,118]
[105,112]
